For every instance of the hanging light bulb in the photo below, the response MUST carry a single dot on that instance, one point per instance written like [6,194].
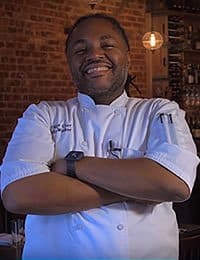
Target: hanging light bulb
[152,40]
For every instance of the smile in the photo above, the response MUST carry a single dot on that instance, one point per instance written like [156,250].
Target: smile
[96,70]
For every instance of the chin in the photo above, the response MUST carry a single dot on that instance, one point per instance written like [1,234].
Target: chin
[94,88]
[99,91]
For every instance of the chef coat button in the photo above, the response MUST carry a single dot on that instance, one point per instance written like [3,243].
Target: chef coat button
[79,226]
[117,112]
[120,227]
[84,143]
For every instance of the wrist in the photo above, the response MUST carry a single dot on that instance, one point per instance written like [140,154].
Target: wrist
[71,160]
[59,166]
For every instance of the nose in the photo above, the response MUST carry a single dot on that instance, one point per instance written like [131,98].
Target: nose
[95,52]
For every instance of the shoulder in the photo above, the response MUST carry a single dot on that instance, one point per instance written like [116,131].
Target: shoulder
[56,105]
[51,106]
[47,111]
[154,104]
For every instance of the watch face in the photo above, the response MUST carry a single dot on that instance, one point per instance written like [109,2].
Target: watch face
[75,155]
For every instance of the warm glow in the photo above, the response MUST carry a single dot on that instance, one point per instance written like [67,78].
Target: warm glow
[152,40]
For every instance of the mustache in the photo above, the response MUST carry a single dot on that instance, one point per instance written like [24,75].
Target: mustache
[101,61]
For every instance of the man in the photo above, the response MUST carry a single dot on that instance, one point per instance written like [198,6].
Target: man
[97,174]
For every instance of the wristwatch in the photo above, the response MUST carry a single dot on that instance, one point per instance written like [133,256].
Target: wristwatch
[71,158]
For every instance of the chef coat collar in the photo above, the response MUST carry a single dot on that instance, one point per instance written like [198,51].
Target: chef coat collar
[87,101]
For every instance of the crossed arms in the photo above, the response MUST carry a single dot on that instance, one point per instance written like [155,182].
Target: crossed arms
[100,182]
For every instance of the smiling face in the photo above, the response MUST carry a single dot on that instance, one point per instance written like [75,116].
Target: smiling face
[98,58]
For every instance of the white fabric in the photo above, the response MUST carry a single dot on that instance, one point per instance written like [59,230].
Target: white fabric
[153,128]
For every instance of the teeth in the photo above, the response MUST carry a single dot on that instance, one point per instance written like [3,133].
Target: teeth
[89,71]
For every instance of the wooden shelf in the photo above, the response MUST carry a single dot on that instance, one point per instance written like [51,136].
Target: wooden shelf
[160,77]
[173,12]
[160,7]
[191,51]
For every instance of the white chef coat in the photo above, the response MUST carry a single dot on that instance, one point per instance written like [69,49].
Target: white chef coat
[152,128]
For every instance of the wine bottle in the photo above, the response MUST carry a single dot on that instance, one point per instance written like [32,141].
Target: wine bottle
[189,34]
[196,42]
[190,74]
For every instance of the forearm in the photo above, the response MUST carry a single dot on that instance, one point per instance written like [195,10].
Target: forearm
[52,193]
[141,178]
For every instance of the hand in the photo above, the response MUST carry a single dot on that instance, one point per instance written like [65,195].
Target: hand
[59,166]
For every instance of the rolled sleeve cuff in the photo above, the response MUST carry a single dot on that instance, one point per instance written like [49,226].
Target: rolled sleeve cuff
[181,162]
[13,171]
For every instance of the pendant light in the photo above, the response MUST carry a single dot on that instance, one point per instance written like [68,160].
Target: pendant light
[152,40]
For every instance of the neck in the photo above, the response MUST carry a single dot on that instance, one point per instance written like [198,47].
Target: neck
[105,99]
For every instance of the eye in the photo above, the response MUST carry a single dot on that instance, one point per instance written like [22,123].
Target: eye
[108,46]
[80,51]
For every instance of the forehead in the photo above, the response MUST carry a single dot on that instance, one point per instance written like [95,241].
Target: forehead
[96,27]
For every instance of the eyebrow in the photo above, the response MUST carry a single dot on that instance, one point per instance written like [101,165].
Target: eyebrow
[102,38]
[79,42]
[105,37]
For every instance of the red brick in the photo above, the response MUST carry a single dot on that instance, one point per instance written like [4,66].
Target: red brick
[33,65]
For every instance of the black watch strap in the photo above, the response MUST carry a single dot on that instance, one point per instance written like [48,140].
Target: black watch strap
[71,169]
[71,158]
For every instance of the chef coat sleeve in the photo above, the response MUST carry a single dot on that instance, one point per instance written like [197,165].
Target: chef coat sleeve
[31,147]
[170,141]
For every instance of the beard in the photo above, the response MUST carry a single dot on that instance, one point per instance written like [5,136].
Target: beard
[103,88]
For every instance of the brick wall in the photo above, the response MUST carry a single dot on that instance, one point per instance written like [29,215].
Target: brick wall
[32,62]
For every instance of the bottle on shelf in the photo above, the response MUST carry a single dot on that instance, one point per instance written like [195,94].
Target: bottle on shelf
[189,36]
[196,42]
[175,49]
[197,99]
[196,73]
[175,24]
[195,126]
[175,33]
[188,6]
[183,56]
[191,6]
[190,74]
[174,58]
[175,28]
[176,4]
[185,99]
[191,98]
[175,71]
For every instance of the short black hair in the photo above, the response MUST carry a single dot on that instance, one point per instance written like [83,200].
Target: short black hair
[109,18]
